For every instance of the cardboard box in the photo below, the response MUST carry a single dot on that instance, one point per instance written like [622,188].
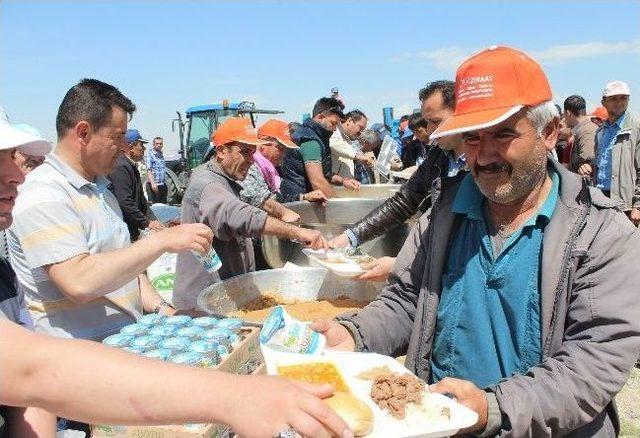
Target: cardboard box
[244,359]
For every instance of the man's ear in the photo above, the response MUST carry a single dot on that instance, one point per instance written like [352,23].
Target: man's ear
[550,133]
[83,131]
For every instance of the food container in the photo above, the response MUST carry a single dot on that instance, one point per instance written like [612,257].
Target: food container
[164,330]
[147,341]
[233,324]
[118,340]
[179,320]
[207,348]
[206,322]
[223,351]
[190,331]
[135,329]
[152,319]
[282,332]
[192,358]
[177,343]
[221,336]
[159,353]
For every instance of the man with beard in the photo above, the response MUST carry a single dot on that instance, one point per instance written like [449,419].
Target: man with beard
[213,198]
[309,168]
[518,295]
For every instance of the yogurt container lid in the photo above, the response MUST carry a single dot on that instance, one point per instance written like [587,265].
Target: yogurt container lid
[152,319]
[117,340]
[282,332]
[134,329]
[176,343]
[205,321]
[230,323]
[218,334]
[146,341]
[178,319]
[159,353]
[204,346]
[191,330]
[191,358]
[163,330]
[223,350]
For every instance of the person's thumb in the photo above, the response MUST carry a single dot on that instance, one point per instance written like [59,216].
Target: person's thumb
[320,325]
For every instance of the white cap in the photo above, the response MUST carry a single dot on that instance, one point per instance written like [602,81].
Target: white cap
[615,88]
[24,138]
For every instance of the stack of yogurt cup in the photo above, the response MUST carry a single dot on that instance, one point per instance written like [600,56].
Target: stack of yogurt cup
[203,341]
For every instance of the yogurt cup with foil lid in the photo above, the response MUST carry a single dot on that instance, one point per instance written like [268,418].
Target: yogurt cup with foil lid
[282,332]
[233,324]
[159,353]
[152,319]
[231,335]
[190,331]
[221,336]
[147,341]
[206,322]
[118,340]
[164,330]
[192,358]
[223,350]
[179,320]
[207,348]
[136,329]
[179,343]
[136,350]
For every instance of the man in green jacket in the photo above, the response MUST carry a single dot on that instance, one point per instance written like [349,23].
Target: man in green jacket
[518,293]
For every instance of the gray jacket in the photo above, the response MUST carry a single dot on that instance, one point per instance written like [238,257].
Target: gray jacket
[625,164]
[213,198]
[589,314]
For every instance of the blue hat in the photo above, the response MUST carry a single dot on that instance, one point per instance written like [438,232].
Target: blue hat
[133,135]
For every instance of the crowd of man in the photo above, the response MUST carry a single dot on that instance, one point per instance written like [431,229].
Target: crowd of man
[515,292]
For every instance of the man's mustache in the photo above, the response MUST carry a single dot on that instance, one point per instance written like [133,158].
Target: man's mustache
[493,168]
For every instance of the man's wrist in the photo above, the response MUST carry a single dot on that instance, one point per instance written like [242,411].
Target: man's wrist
[353,239]
[163,307]
[494,416]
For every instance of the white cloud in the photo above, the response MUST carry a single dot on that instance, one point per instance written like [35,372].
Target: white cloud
[449,58]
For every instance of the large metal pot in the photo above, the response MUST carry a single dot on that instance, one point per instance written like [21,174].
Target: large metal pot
[302,284]
[368,191]
[332,220]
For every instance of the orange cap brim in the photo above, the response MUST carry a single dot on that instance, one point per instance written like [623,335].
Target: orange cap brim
[460,123]
[287,143]
[254,141]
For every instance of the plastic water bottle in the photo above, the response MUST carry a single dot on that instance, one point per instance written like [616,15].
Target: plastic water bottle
[210,261]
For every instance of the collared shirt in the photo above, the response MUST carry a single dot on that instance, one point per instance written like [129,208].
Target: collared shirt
[455,164]
[607,140]
[362,173]
[255,190]
[60,215]
[488,318]
[155,163]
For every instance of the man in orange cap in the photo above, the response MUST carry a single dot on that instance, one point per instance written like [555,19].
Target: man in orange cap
[261,187]
[518,293]
[213,198]
[599,115]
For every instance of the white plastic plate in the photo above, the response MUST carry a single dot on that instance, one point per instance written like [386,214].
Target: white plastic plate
[345,268]
[416,425]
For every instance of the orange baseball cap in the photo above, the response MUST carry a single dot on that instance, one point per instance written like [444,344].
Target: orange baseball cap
[491,87]
[601,113]
[236,129]
[279,130]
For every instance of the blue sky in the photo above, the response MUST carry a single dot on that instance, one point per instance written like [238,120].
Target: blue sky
[170,55]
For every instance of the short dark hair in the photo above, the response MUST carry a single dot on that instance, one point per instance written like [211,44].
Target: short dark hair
[355,115]
[447,88]
[416,121]
[327,105]
[93,101]
[404,118]
[575,105]
[158,138]
[293,127]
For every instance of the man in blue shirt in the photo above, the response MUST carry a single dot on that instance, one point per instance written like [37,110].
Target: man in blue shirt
[156,173]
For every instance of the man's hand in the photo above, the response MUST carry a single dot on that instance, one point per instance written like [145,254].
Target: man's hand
[350,183]
[634,215]
[315,196]
[467,394]
[365,159]
[263,406]
[585,169]
[377,270]
[154,188]
[338,337]
[312,238]
[341,241]
[290,216]
[186,237]
[155,226]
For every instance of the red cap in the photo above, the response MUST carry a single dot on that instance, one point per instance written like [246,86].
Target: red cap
[236,129]
[601,113]
[491,87]
[279,130]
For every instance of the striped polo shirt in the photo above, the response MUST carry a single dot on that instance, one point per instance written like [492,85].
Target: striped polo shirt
[59,215]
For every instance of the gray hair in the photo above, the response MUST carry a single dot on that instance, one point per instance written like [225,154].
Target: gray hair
[541,115]
[369,137]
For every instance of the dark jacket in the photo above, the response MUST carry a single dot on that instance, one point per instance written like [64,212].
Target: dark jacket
[416,194]
[126,186]
[412,151]
[589,310]
[294,176]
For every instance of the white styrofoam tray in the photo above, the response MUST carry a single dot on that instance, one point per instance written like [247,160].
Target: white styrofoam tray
[346,268]
[385,426]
